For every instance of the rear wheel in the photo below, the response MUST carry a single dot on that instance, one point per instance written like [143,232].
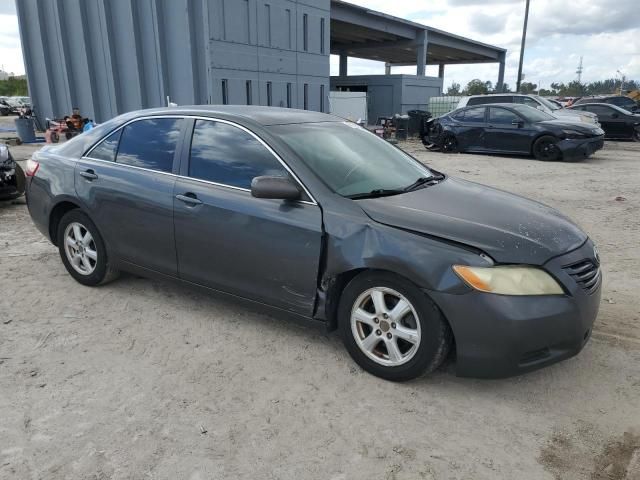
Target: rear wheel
[545,149]
[55,138]
[391,328]
[449,143]
[636,135]
[82,250]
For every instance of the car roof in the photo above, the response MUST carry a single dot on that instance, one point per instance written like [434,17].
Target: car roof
[505,94]
[259,114]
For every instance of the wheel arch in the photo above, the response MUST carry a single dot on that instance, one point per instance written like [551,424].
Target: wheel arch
[335,287]
[540,135]
[57,212]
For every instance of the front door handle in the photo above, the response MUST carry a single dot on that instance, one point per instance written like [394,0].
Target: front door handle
[89,175]
[189,198]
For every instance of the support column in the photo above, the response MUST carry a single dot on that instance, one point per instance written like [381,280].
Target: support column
[500,84]
[387,68]
[422,42]
[343,64]
[441,70]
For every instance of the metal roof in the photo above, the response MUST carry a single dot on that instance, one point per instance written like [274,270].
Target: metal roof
[364,33]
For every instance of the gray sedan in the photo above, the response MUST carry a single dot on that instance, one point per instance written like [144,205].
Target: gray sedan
[310,216]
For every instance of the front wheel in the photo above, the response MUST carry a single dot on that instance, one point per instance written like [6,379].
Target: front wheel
[82,250]
[391,328]
[545,149]
[636,135]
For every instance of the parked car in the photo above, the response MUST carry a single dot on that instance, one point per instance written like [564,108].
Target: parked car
[533,101]
[617,100]
[5,108]
[305,214]
[12,178]
[515,129]
[615,121]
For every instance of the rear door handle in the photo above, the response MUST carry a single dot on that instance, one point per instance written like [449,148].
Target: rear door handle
[89,175]
[189,198]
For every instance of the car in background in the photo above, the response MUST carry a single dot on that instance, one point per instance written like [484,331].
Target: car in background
[12,178]
[5,108]
[533,101]
[514,129]
[617,100]
[555,102]
[616,122]
[310,216]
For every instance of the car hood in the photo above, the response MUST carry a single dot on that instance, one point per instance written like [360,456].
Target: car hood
[507,227]
[587,128]
[576,116]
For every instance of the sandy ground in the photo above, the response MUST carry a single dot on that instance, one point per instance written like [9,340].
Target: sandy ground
[146,380]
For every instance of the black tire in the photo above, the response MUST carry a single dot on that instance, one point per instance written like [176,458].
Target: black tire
[103,272]
[449,143]
[636,135]
[55,138]
[434,343]
[545,149]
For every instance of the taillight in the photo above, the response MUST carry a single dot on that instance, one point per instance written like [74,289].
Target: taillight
[32,168]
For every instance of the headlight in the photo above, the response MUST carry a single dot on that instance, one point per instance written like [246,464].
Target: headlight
[572,134]
[509,280]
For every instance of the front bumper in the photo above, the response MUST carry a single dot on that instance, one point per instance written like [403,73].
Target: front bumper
[575,149]
[500,335]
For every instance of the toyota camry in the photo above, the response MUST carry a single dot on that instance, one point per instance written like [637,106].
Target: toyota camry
[313,217]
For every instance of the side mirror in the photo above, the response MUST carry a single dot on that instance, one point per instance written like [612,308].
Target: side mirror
[518,123]
[614,115]
[279,188]
[540,107]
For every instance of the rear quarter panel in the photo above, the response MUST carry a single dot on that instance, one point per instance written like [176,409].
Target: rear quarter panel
[52,184]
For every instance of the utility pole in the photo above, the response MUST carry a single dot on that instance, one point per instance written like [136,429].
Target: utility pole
[579,70]
[524,37]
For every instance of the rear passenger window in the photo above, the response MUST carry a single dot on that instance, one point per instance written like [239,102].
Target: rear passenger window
[490,99]
[225,154]
[150,143]
[474,115]
[106,150]
[528,102]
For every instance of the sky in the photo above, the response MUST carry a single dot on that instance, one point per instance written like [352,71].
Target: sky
[605,32]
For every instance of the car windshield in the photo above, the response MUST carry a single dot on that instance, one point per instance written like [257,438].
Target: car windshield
[350,160]
[547,103]
[532,114]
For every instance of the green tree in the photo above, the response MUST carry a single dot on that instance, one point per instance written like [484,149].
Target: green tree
[454,89]
[528,87]
[477,87]
[13,87]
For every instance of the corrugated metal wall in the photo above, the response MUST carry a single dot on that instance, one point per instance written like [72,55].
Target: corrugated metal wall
[112,56]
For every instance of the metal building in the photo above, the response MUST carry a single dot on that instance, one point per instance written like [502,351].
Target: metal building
[111,56]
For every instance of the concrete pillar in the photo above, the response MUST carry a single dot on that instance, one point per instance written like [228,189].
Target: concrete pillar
[422,42]
[343,64]
[441,70]
[387,69]
[500,84]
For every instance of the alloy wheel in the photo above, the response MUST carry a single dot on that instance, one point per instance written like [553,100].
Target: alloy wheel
[385,326]
[80,248]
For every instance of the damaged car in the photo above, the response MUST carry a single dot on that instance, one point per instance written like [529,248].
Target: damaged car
[513,129]
[304,214]
[12,178]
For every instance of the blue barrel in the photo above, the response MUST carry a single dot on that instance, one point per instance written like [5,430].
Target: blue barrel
[26,130]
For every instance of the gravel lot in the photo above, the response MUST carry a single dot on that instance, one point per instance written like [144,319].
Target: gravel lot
[138,379]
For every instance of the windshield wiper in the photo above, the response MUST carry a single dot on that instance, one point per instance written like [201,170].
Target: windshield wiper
[422,181]
[379,192]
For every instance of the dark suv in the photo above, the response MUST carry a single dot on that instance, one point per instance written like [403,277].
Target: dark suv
[617,100]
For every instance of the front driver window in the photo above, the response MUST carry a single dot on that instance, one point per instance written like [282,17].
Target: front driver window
[225,154]
[502,116]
